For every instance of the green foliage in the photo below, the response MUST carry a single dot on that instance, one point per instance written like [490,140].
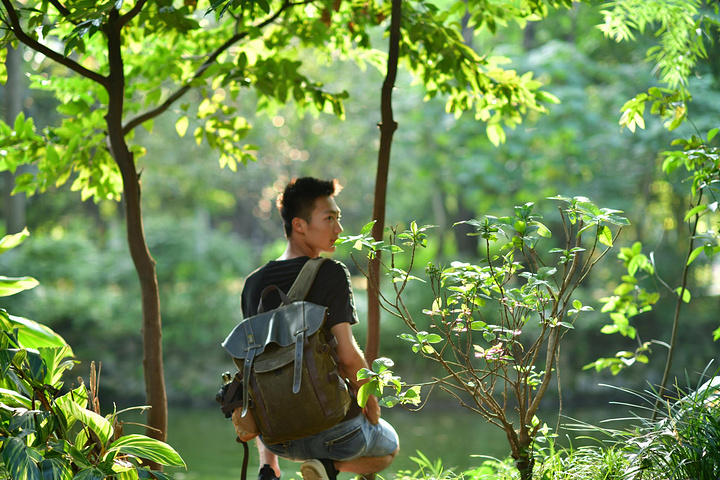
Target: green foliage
[630,298]
[199,270]
[593,462]
[495,324]
[221,48]
[685,440]
[46,433]
[681,444]
[13,285]
[379,377]
[683,28]
[447,66]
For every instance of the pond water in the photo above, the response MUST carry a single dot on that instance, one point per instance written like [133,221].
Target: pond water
[206,441]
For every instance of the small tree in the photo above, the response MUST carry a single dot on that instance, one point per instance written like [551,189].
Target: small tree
[495,327]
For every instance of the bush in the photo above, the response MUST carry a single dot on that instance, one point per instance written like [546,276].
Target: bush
[47,433]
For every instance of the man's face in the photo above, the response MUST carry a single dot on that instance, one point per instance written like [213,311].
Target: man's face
[324,226]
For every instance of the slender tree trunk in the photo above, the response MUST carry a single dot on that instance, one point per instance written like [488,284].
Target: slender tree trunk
[144,263]
[387,130]
[114,83]
[13,205]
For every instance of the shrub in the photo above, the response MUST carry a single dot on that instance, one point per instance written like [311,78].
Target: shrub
[47,433]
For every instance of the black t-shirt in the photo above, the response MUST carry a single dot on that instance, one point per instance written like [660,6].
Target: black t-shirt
[331,289]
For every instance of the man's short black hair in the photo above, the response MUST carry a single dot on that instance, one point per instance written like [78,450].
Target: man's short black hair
[298,199]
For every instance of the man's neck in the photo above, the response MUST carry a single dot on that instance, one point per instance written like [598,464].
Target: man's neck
[294,250]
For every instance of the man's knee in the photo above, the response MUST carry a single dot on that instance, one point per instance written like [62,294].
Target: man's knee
[384,462]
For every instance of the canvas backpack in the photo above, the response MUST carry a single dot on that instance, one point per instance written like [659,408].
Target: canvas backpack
[288,366]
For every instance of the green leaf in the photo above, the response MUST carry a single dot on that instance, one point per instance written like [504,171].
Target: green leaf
[694,254]
[381,364]
[34,335]
[14,399]
[432,338]
[542,230]
[609,329]
[364,393]
[21,460]
[411,396]
[92,473]
[19,125]
[12,241]
[56,469]
[367,228]
[101,426]
[545,272]
[605,235]
[12,285]
[148,448]
[408,337]
[695,211]
[495,134]
[685,294]
[51,156]
[58,361]
[181,126]
[711,134]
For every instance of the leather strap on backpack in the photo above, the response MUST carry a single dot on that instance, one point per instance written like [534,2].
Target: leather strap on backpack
[305,279]
[298,292]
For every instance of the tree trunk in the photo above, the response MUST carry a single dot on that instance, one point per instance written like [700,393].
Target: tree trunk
[143,261]
[387,130]
[13,205]
[520,443]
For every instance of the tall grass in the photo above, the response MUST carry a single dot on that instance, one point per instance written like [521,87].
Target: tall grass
[683,441]
[672,437]
[679,442]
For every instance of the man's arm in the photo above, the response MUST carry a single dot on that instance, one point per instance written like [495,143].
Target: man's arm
[351,361]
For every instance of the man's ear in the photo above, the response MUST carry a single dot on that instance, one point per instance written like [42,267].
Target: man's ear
[298,225]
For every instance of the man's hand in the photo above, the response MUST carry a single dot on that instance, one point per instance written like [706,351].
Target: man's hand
[372,410]
[351,360]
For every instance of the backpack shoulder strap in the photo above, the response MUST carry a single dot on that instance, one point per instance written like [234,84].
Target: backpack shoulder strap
[305,279]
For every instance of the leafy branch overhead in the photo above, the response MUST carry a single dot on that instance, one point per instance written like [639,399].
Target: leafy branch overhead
[222,48]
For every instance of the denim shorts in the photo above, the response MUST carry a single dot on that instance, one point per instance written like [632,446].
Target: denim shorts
[347,440]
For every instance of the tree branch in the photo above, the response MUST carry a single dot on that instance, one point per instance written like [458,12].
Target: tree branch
[60,8]
[200,71]
[132,13]
[23,37]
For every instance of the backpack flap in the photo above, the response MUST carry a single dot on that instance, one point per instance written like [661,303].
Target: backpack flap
[284,326]
[279,326]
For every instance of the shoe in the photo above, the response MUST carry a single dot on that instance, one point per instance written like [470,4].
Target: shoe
[267,473]
[315,469]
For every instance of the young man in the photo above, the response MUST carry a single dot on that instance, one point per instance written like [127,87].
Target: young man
[362,442]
